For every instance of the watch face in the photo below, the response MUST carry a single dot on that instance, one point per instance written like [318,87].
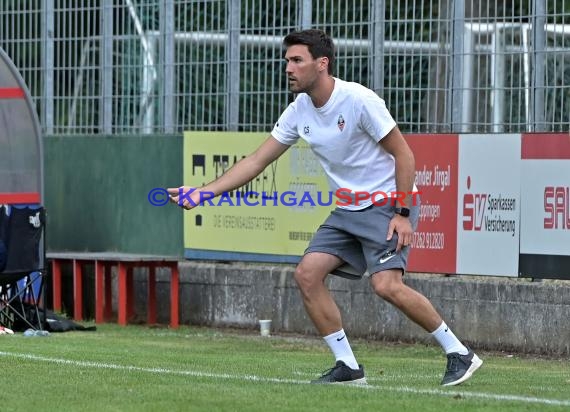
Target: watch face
[402,211]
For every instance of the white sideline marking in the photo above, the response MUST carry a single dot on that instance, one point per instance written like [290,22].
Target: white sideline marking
[405,389]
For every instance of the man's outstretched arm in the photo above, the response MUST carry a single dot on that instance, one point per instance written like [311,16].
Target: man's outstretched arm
[238,175]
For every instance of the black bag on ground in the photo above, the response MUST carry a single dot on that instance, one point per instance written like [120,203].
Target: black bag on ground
[35,316]
[56,323]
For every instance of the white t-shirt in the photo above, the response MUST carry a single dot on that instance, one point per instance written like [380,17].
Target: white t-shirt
[344,135]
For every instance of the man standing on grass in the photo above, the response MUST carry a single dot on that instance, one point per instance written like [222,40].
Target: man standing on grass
[361,148]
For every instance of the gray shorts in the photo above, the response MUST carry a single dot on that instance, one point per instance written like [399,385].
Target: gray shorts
[359,239]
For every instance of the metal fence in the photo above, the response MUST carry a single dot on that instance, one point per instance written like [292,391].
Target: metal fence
[165,66]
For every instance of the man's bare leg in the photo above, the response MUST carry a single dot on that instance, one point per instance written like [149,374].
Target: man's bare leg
[390,286]
[310,276]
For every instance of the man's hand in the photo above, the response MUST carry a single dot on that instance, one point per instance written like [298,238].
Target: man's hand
[402,226]
[185,196]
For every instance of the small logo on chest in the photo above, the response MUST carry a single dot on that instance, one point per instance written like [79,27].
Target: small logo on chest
[306,130]
[340,122]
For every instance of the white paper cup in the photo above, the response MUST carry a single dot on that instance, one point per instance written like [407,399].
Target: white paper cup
[265,327]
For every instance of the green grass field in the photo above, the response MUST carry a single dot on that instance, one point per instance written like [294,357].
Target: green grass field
[138,368]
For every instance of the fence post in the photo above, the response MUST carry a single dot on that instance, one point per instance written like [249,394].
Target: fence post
[106,68]
[167,30]
[538,52]
[458,43]
[232,65]
[377,47]
[48,65]
[306,14]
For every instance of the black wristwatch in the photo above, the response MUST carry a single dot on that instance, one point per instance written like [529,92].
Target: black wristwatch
[402,211]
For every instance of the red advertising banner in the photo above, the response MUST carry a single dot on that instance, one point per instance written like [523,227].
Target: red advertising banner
[545,211]
[435,240]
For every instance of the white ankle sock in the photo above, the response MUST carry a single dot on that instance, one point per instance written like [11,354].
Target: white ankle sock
[448,341]
[338,342]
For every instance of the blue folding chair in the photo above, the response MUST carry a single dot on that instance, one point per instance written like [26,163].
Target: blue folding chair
[22,261]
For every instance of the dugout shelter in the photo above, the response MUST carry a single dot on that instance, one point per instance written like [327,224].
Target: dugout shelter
[22,214]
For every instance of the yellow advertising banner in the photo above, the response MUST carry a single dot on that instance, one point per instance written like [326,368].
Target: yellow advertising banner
[272,218]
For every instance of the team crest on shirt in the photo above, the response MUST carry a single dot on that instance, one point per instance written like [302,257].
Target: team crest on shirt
[306,129]
[340,122]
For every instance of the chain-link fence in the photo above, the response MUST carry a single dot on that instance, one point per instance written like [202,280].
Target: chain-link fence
[165,66]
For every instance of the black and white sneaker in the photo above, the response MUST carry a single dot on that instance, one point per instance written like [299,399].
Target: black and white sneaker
[341,373]
[460,367]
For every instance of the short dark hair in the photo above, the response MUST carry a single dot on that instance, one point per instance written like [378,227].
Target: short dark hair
[319,43]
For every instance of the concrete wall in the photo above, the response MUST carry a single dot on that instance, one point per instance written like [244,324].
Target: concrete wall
[491,313]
